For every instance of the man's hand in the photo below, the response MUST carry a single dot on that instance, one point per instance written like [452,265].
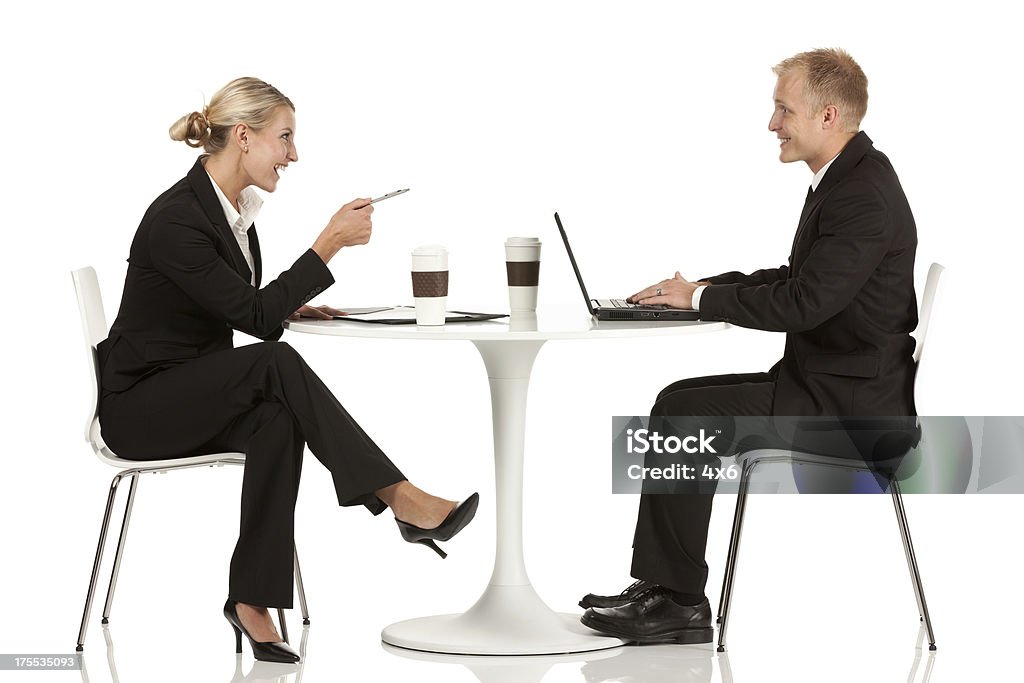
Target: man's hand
[318,312]
[676,293]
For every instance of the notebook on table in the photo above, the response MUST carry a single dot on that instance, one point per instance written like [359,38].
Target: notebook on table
[406,315]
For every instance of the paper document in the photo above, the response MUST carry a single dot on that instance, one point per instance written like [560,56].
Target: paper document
[406,315]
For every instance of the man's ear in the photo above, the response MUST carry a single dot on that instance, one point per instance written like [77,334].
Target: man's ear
[830,118]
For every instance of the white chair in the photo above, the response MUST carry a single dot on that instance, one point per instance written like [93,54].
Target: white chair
[750,460]
[94,325]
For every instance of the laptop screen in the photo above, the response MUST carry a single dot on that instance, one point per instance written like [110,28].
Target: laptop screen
[575,268]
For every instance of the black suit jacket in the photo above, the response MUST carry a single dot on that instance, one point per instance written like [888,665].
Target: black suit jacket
[846,300]
[188,286]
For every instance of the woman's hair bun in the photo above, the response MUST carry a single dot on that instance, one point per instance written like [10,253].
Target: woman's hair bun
[243,100]
[193,129]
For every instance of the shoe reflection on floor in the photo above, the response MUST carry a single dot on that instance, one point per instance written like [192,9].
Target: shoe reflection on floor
[659,664]
[261,672]
[627,664]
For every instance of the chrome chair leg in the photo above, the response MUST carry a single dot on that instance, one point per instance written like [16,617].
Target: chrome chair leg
[302,602]
[734,550]
[284,624]
[915,573]
[725,574]
[97,561]
[120,547]
[302,591]
[897,500]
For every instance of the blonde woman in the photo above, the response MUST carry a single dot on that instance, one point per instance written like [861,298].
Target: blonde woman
[174,386]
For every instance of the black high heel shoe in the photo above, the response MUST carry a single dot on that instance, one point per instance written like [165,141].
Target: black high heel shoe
[265,652]
[455,522]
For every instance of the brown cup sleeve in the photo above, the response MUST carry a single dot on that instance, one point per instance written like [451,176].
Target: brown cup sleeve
[523,273]
[430,283]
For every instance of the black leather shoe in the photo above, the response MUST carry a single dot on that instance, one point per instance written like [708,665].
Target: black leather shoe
[265,652]
[628,595]
[653,617]
[455,522]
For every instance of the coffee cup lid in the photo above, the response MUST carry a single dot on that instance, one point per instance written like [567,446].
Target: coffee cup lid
[430,250]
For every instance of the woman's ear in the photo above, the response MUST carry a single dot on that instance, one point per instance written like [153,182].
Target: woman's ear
[240,134]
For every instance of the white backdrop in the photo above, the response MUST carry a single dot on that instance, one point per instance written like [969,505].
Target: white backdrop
[646,127]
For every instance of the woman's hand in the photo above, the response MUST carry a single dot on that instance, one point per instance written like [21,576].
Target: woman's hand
[350,226]
[318,312]
[676,293]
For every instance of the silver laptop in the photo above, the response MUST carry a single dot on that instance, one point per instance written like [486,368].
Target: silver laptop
[620,309]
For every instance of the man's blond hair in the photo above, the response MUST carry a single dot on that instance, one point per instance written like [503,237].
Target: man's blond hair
[832,78]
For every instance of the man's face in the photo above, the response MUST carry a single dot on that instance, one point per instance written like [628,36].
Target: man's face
[800,131]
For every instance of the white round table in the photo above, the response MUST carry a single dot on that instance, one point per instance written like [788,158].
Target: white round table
[509,618]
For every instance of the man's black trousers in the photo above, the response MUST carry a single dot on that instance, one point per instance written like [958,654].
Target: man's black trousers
[672,528]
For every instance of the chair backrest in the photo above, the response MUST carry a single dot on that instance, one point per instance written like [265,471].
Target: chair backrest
[94,327]
[931,287]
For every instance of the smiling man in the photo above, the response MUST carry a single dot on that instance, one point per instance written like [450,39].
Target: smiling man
[846,302]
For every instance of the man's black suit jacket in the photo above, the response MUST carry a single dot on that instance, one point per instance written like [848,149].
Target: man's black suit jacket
[188,286]
[846,300]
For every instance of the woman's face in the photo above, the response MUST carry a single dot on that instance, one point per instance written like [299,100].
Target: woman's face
[271,149]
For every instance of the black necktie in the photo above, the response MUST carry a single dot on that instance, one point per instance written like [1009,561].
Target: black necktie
[803,217]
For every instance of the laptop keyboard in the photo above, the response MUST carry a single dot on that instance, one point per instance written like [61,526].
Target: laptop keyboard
[622,303]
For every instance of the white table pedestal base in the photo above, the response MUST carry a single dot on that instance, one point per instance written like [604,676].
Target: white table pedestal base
[506,620]
[509,618]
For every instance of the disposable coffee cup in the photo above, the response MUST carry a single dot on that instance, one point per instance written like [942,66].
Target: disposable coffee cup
[522,264]
[430,283]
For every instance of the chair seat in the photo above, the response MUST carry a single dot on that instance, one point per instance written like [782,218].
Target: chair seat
[173,463]
[874,443]
[775,455]
[104,453]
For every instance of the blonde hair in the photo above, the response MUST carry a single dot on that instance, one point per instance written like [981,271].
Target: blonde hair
[832,78]
[243,100]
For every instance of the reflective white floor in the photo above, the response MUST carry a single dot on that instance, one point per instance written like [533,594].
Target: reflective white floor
[822,593]
[635,664]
